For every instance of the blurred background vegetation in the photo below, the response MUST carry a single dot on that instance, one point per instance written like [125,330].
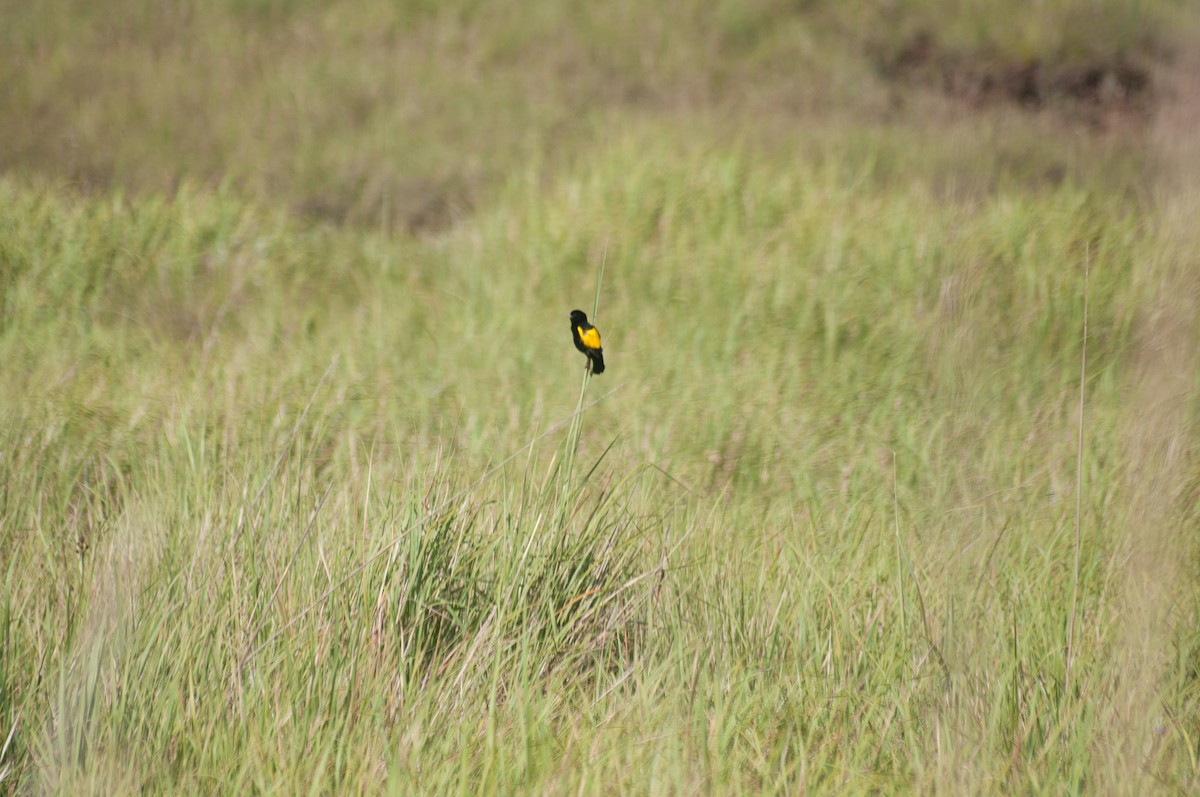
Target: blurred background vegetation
[410,116]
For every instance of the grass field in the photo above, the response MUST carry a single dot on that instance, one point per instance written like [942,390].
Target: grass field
[891,484]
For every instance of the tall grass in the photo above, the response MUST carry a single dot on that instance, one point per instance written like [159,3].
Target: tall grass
[290,507]
[823,536]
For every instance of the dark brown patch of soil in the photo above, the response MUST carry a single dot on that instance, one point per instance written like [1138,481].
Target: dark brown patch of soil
[1097,90]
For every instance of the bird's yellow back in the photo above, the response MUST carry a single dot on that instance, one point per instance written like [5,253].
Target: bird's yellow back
[590,337]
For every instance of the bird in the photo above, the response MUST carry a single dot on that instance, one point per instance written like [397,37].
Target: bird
[587,340]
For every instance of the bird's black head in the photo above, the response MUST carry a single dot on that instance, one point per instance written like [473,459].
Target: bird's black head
[578,317]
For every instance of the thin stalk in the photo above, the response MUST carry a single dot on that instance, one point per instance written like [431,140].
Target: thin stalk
[1078,481]
[577,423]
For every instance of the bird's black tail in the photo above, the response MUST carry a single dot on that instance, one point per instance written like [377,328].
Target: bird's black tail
[597,358]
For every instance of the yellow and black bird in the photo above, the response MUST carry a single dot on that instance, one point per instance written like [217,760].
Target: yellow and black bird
[587,340]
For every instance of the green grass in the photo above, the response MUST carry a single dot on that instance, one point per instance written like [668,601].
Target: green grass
[295,501]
